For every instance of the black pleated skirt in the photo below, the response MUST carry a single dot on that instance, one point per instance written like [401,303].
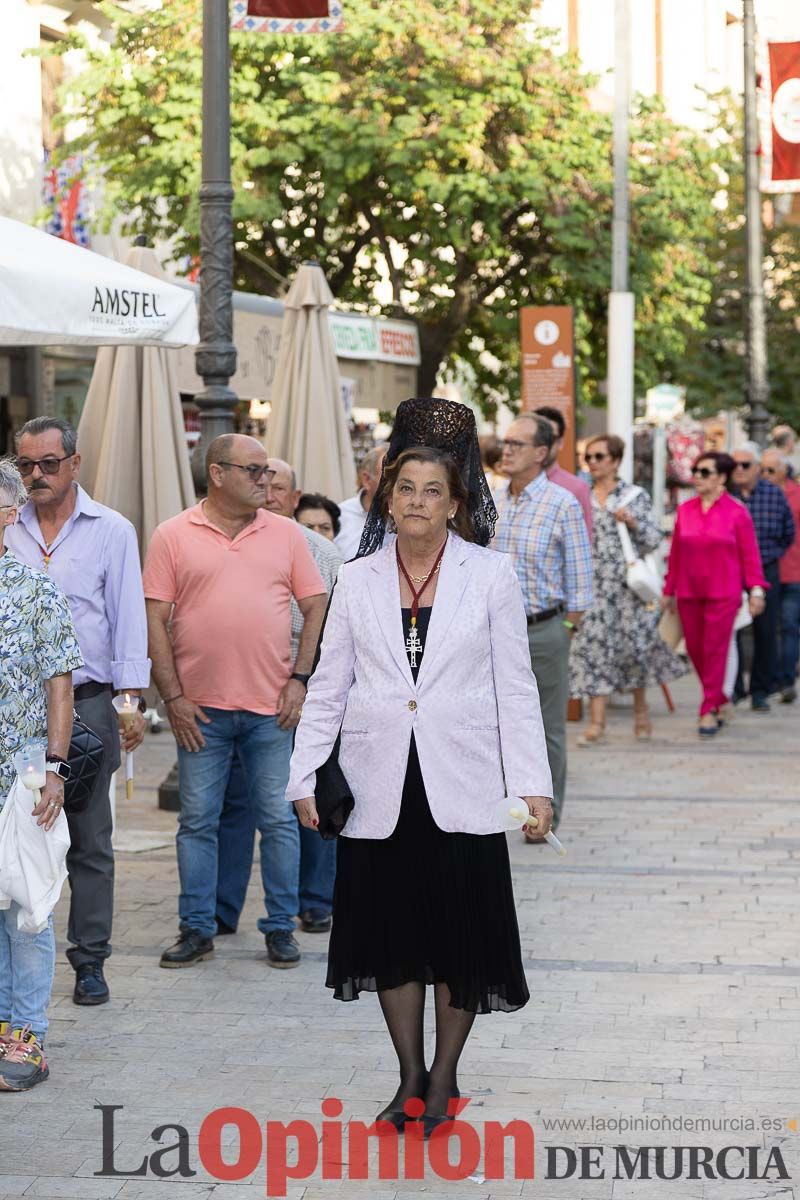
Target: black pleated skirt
[429,906]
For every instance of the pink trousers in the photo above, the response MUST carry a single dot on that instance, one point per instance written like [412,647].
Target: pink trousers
[708,628]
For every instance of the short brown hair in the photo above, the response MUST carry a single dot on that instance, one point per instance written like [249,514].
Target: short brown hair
[462,521]
[614,445]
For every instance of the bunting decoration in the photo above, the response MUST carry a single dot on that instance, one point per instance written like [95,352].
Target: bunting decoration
[288,16]
[780,117]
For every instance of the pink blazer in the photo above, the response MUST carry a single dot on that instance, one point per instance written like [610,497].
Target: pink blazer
[714,554]
[474,710]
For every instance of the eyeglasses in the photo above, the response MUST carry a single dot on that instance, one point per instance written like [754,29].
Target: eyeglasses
[8,507]
[253,470]
[743,466]
[513,446]
[590,458]
[704,472]
[48,466]
[769,470]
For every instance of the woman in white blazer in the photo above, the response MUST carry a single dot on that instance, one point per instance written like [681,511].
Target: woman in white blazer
[425,670]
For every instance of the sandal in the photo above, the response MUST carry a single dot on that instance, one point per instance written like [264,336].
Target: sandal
[592,735]
[642,726]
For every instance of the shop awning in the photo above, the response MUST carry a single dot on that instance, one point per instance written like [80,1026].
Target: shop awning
[55,293]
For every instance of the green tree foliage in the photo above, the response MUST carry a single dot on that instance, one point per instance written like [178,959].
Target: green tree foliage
[438,160]
[715,368]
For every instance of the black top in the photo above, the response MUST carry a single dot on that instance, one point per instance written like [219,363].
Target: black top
[423,618]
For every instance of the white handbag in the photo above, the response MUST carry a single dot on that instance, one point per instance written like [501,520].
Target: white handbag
[743,616]
[644,578]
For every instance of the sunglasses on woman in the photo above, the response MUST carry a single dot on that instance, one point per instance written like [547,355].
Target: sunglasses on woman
[590,458]
[703,472]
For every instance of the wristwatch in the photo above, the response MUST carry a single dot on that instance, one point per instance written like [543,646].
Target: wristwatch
[300,677]
[758,592]
[60,767]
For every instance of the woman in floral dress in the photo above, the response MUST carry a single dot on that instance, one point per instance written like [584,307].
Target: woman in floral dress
[617,648]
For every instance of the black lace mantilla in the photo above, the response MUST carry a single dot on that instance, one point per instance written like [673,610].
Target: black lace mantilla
[447,426]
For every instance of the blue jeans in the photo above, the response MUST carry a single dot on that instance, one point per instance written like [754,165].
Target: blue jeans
[264,751]
[236,834]
[27,964]
[790,634]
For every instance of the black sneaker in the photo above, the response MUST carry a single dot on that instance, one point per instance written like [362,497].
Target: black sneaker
[759,704]
[191,947]
[315,920]
[282,950]
[90,984]
[788,695]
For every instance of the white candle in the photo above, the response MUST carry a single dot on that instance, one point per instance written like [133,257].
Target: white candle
[527,819]
[32,779]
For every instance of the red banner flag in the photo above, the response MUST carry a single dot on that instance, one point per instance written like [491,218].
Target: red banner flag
[287,16]
[780,123]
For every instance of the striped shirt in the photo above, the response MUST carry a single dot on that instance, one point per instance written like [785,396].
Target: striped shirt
[544,532]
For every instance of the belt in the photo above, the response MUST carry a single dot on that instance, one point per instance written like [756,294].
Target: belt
[546,614]
[87,691]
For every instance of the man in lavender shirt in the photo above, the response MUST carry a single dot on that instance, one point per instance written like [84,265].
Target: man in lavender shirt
[92,553]
[557,474]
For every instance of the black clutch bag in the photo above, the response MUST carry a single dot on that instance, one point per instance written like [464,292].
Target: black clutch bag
[85,758]
[332,793]
[333,796]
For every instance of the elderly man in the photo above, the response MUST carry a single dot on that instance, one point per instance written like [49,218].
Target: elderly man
[354,511]
[218,582]
[543,529]
[775,531]
[775,469]
[237,821]
[92,553]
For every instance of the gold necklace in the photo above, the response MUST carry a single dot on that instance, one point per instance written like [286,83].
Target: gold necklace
[424,578]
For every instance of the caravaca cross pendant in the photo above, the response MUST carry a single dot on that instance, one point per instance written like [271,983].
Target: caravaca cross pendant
[413,644]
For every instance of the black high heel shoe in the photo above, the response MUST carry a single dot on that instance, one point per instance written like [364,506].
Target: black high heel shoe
[397,1116]
[429,1123]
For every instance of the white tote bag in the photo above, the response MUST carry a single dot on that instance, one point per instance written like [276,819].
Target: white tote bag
[644,579]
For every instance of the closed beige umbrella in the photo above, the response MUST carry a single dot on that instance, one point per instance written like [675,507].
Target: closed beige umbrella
[134,456]
[308,426]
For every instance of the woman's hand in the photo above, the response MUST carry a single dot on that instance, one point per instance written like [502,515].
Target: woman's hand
[307,812]
[757,604]
[626,516]
[667,603]
[541,808]
[51,803]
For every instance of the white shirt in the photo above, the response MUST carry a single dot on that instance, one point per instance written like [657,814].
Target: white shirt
[352,522]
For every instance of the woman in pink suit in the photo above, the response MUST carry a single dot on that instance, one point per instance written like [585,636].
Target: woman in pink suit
[714,556]
[425,669]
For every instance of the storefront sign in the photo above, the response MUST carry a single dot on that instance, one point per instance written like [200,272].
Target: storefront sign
[376,340]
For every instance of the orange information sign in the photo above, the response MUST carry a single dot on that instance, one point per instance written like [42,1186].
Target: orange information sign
[548,367]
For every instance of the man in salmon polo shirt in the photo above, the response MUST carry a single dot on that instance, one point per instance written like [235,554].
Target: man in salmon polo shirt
[218,580]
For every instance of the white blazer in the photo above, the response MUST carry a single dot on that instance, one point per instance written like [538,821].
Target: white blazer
[474,710]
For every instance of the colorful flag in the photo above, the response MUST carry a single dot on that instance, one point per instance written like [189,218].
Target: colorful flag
[64,194]
[288,16]
[780,118]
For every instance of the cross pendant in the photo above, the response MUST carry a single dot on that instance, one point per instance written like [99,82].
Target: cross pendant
[413,645]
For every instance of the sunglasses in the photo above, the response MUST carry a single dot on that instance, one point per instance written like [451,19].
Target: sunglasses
[590,458]
[48,466]
[743,466]
[255,472]
[769,470]
[703,472]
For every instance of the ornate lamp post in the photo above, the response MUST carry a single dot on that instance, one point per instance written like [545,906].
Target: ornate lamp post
[757,377]
[216,354]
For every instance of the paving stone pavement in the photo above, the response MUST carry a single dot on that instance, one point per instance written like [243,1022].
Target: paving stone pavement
[662,958]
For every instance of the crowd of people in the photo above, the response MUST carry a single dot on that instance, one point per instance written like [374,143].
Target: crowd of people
[531,568]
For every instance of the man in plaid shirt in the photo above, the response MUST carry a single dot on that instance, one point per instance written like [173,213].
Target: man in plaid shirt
[775,532]
[542,527]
